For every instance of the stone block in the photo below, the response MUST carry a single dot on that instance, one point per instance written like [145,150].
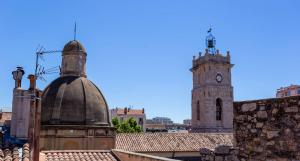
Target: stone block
[222,149]
[253,130]
[270,143]
[204,151]
[274,111]
[241,118]
[291,109]
[262,108]
[297,117]
[219,158]
[262,115]
[272,134]
[259,125]
[248,107]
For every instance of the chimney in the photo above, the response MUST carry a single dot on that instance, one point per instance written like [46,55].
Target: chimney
[31,78]
[125,110]
[17,76]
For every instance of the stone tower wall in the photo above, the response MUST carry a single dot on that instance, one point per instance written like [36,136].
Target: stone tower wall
[207,90]
[268,129]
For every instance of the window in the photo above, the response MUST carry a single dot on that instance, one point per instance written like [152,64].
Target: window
[141,121]
[218,109]
[289,93]
[298,92]
[198,110]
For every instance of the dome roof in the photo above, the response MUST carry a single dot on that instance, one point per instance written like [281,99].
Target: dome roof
[73,100]
[73,45]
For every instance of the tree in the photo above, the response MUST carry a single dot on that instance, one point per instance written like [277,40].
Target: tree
[127,126]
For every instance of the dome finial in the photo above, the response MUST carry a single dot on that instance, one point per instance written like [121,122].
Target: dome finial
[75,31]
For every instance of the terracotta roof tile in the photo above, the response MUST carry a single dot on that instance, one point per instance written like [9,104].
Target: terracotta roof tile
[13,153]
[74,155]
[121,111]
[154,142]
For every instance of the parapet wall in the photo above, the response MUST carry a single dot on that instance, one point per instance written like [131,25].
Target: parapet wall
[132,156]
[268,129]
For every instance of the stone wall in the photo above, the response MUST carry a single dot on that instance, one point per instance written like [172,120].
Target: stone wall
[221,153]
[268,129]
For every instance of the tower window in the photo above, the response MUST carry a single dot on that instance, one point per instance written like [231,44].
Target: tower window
[218,109]
[198,110]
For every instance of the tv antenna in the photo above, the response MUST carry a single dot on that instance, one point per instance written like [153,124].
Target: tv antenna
[40,70]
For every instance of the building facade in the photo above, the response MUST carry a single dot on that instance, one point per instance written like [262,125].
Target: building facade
[160,120]
[187,122]
[292,90]
[126,113]
[212,93]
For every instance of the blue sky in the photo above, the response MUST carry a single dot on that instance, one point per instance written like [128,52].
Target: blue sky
[140,52]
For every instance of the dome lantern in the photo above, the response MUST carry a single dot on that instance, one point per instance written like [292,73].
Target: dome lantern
[73,59]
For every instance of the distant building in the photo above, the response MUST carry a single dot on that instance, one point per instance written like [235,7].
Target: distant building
[5,121]
[187,122]
[160,120]
[292,90]
[164,124]
[126,113]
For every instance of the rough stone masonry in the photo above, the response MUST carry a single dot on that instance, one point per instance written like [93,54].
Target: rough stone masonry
[268,130]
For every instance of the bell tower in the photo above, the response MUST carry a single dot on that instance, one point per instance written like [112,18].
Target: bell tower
[212,93]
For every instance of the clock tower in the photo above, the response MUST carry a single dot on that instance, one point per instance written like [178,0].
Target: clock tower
[212,93]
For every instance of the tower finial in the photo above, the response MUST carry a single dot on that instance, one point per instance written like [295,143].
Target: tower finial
[211,42]
[75,31]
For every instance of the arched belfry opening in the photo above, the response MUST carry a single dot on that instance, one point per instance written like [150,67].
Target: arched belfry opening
[219,105]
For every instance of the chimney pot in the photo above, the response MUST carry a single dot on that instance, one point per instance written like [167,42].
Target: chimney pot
[17,76]
[32,79]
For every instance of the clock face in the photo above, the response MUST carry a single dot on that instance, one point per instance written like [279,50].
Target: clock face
[219,78]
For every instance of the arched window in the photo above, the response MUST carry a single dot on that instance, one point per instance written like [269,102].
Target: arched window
[198,110]
[218,109]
